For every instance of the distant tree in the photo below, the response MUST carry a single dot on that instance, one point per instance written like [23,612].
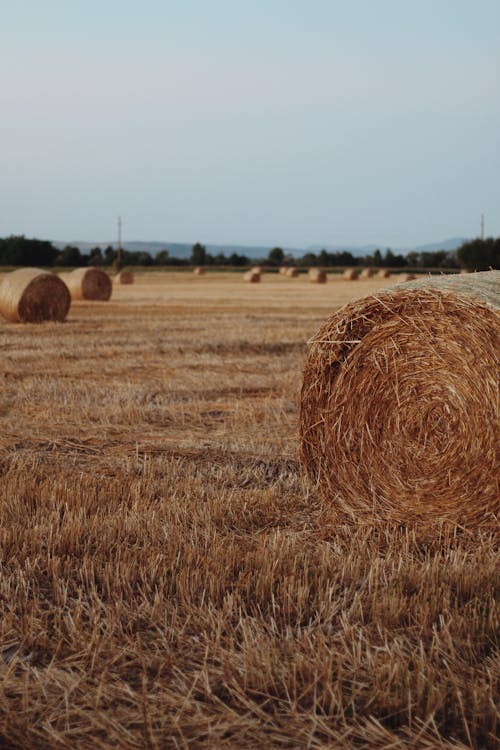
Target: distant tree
[276,256]
[238,260]
[162,258]
[70,256]
[199,255]
[479,254]
[17,250]
[95,257]
[309,259]
[377,258]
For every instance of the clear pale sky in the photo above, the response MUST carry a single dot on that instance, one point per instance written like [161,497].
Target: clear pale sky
[268,122]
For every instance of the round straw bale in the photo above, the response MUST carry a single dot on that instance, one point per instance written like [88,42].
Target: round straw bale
[399,404]
[88,283]
[252,276]
[257,269]
[367,273]
[350,274]
[383,273]
[292,272]
[200,271]
[317,276]
[404,277]
[124,277]
[30,295]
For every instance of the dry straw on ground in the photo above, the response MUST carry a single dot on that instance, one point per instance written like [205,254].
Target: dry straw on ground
[199,271]
[88,283]
[317,276]
[252,276]
[367,273]
[399,405]
[124,277]
[30,295]
[350,274]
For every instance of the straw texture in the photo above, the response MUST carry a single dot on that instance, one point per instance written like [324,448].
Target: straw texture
[399,405]
[88,283]
[30,295]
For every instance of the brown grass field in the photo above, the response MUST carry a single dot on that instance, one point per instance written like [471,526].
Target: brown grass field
[169,580]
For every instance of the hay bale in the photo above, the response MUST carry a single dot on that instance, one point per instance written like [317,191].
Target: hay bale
[398,412]
[252,276]
[350,274]
[199,271]
[88,283]
[404,277]
[317,276]
[367,273]
[283,270]
[257,269]
[383,273]
[30,295]
[292,273]
[124,277]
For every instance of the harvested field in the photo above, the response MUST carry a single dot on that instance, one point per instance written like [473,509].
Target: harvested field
[167,577]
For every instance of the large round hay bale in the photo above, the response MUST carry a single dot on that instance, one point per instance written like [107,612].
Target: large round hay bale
[404,277]
[367,273]
[399,405]
[292,273]
[383,273]
[350,274]
[317,276]
[124,277]
[88,283]
[257,269]
[252,276]
[200,271]
[30,295]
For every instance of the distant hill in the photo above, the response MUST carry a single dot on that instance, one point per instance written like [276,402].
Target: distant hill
[359,251]
[183,249]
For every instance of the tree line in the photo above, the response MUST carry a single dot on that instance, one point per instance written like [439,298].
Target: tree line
[18,250]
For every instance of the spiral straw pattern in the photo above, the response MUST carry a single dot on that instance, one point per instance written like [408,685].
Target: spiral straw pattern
[399,405]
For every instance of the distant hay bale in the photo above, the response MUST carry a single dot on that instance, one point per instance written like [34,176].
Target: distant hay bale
[399,404]
[200,271]
[367,273]
[124,277]
[404,277]
[383,273]
[257,269]
[317,276]
[30,295]
[252,276]
[350,274]
[292,273]
[88,283]
[283,270]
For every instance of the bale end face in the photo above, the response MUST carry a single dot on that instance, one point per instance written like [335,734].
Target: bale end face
[30,295]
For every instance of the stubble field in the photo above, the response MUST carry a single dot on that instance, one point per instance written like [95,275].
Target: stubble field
[167,577]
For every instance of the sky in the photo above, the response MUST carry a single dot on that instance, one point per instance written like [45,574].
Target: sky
[271,122]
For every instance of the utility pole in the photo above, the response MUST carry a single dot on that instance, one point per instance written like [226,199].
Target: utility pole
[482,226]
[119,249]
